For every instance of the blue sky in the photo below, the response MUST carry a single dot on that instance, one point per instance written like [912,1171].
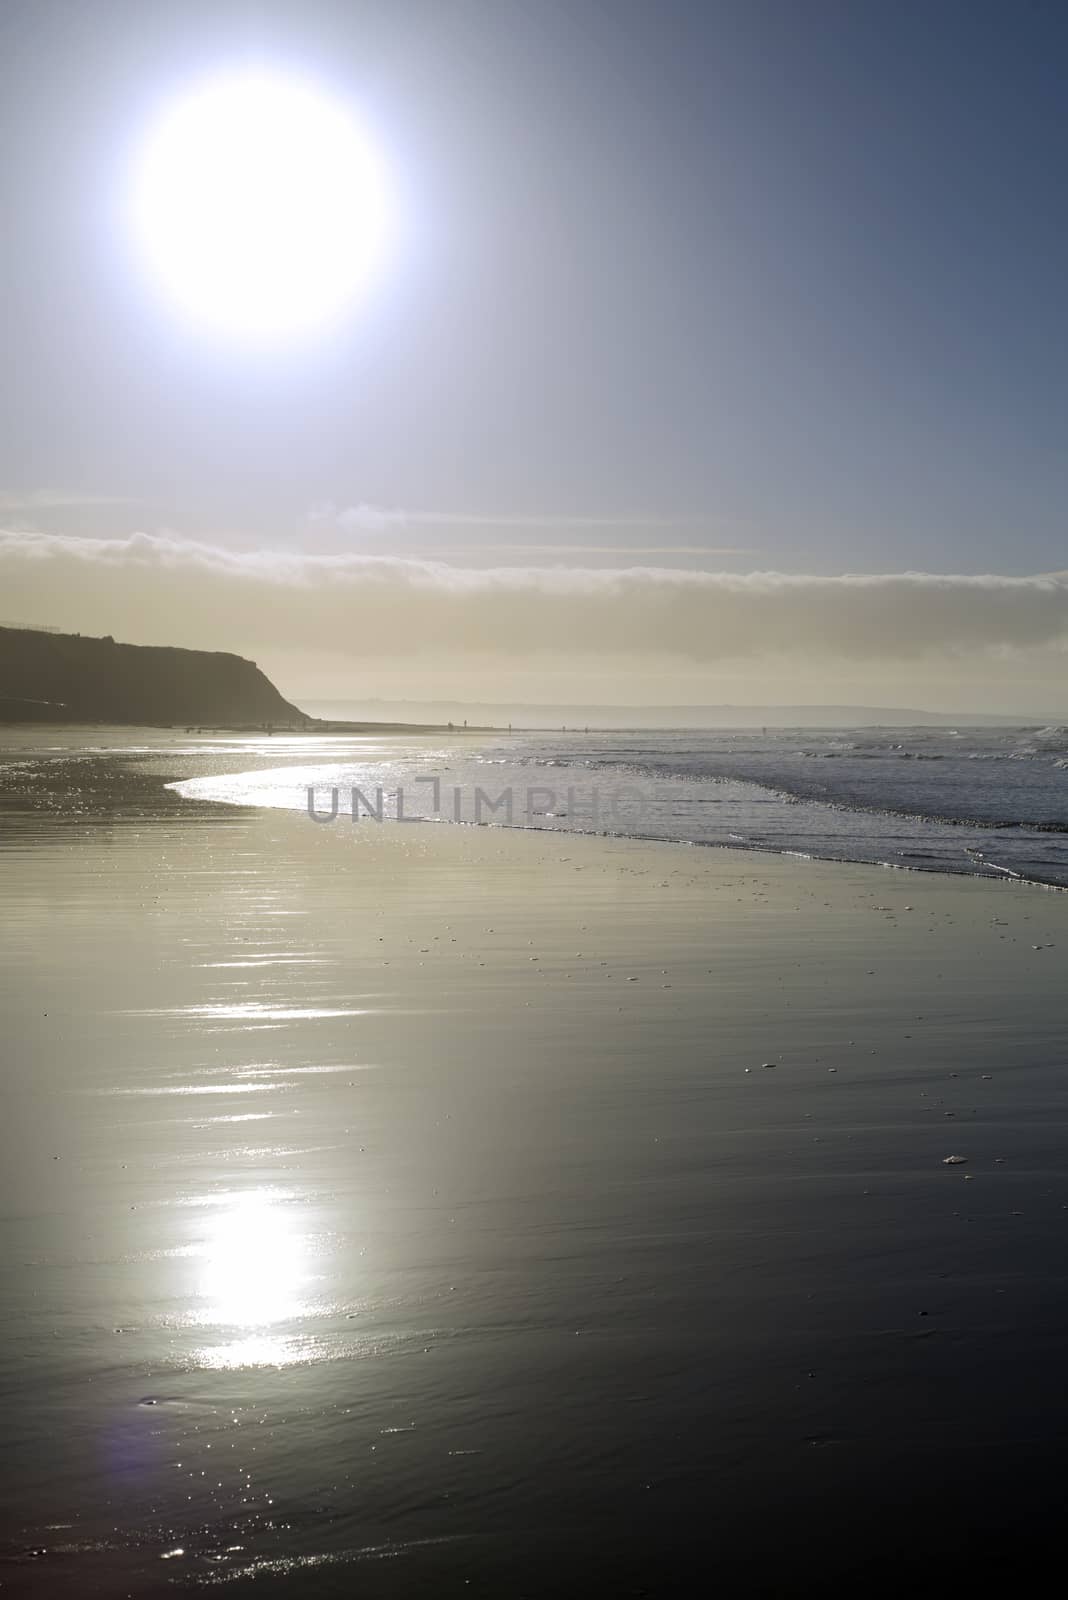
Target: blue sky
[784,281]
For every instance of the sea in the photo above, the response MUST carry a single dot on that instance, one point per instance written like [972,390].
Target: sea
[987,802]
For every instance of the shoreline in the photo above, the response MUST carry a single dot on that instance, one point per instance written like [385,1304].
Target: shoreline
[208,763]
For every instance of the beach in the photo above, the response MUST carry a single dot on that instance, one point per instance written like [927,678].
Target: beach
[404,1210]
[533,800]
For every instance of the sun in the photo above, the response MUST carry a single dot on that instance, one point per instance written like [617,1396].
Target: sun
[258,204]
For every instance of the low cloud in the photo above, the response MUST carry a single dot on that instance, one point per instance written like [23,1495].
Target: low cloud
[159,588]
[572,551]
[54,500]
[379,519]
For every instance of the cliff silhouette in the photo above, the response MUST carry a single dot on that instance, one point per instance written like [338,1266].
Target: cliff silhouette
[66,677]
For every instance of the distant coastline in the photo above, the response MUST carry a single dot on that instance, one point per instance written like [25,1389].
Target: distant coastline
[55,677]
[73,679]
[575,717]
[70,678]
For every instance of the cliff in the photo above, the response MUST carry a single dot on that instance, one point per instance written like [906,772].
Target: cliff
[63,677]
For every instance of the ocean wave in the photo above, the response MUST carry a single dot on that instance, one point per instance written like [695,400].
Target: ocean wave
[930,802]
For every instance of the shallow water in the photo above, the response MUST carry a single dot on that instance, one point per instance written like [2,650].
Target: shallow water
[984,802]
[392,1211]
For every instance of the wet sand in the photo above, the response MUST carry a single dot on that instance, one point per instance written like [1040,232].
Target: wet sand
[416,1211]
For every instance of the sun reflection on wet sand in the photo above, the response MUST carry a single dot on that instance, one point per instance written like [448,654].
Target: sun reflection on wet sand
[255,1267]
[255,1010]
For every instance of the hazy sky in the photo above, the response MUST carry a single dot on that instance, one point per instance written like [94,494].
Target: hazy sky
[688,303]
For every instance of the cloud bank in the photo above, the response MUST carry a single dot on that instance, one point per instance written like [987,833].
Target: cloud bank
[160,588]
[55,500]
[365,518]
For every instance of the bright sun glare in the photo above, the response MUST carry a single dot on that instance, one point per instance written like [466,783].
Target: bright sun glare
[258,203]
[254,1267]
